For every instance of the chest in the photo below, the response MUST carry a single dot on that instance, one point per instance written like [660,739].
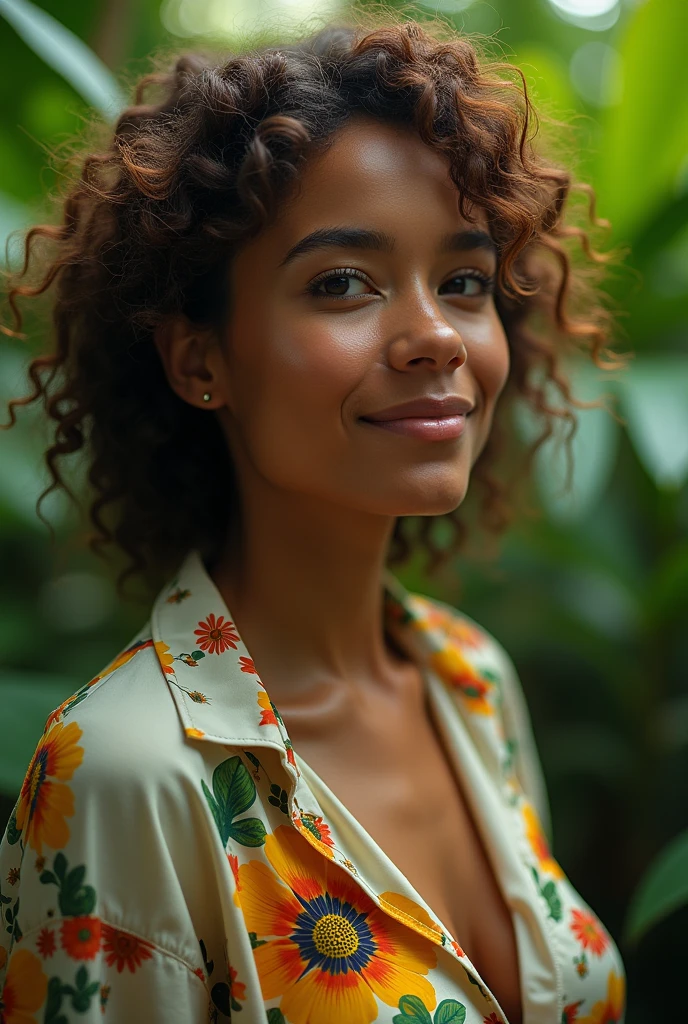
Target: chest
[414,809]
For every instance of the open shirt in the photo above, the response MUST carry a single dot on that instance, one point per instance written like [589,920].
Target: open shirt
[172,858]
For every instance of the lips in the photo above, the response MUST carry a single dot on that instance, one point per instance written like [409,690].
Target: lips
[423,408]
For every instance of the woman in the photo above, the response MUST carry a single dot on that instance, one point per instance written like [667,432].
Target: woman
[292,289]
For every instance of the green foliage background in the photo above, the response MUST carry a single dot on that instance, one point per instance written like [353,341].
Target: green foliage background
[591,597]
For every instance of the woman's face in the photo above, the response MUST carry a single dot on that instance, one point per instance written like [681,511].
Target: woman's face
[324,333]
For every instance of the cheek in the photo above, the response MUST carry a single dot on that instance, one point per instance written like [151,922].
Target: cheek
[291,387]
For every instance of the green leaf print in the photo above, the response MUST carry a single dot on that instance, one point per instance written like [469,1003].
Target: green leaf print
[234,791]
[412,1008]
[549,891]
[450,1012]
[75,898]
[275,1016]
[13,833]
[81,994]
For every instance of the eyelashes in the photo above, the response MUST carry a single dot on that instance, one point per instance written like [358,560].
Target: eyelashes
[487,281]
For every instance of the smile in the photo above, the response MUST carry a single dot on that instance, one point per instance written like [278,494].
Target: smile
[436,428]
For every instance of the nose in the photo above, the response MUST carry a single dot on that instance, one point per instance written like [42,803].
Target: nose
[426,340]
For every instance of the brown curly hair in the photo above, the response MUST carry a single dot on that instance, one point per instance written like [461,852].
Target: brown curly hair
[188,175]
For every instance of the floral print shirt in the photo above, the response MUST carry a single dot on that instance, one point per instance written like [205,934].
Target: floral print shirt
[171,858]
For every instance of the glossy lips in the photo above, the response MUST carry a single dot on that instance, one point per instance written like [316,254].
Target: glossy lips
[431,419]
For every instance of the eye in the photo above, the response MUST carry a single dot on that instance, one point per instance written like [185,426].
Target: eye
[337,284]
[471,283]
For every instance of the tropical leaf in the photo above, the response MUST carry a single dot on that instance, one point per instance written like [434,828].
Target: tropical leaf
[66,54]
[644,137]
[654,397]
[663,889]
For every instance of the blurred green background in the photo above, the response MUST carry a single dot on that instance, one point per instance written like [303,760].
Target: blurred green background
[590,598]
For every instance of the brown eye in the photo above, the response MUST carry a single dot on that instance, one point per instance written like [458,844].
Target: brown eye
[471,285]
[337,284]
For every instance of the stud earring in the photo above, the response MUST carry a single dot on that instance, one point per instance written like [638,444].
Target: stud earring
[206,396]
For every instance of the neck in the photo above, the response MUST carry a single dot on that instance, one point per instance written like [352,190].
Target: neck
[305,592]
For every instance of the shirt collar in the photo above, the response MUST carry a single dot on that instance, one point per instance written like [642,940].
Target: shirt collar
[219,696]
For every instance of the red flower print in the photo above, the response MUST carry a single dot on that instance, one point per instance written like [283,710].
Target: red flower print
[459,952]
[247,665]
[124,949]
[13,876]
[80,937]
[200,973]
[589,931]
[570,1014]
[268,711]
[216,635]
[45,943]
[492,1019]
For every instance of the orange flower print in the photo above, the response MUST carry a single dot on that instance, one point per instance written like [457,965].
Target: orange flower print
[316,832]
[247,665]
[80,937]
[25,989]
[216,635]
[194,734]
[457,948]
[178,596]
[451,665]
[538,841]
[611,1009]
[453,624]
[124,949]
[570,1013]
[327,949]
[268,714]
[45,943]
[492,1019]
[589,931]
[234,865]
[237,989]
[45,802]
[164,657]
[13,876]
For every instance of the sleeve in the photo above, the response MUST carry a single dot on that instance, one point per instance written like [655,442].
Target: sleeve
[96,921]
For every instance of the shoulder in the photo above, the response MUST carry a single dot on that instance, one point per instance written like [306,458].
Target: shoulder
[123,713]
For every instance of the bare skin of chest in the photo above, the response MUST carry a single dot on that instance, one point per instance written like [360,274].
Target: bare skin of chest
[414,809]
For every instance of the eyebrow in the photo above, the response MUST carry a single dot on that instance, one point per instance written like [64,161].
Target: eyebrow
[380,241]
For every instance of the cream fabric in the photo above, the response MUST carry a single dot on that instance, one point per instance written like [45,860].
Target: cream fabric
[172,858]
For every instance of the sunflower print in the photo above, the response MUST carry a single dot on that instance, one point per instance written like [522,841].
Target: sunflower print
[25,989]
[45,802]
[330,951]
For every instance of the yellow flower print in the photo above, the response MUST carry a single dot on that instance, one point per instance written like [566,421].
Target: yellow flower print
[166,659]
[458,672]
[538,841]
[25,989]
[611,1009]
[194,734]
[402,908]
[330,949]
[44,804]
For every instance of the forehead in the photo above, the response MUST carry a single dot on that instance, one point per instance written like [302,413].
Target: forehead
[370,171]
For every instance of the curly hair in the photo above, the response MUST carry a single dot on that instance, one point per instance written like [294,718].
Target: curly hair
[189,173]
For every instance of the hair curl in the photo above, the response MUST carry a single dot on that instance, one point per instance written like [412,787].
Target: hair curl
[186,177]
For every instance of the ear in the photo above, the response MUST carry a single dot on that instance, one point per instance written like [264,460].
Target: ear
[190,358]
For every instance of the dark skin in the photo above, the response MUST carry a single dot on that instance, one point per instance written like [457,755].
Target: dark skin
[289,378]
